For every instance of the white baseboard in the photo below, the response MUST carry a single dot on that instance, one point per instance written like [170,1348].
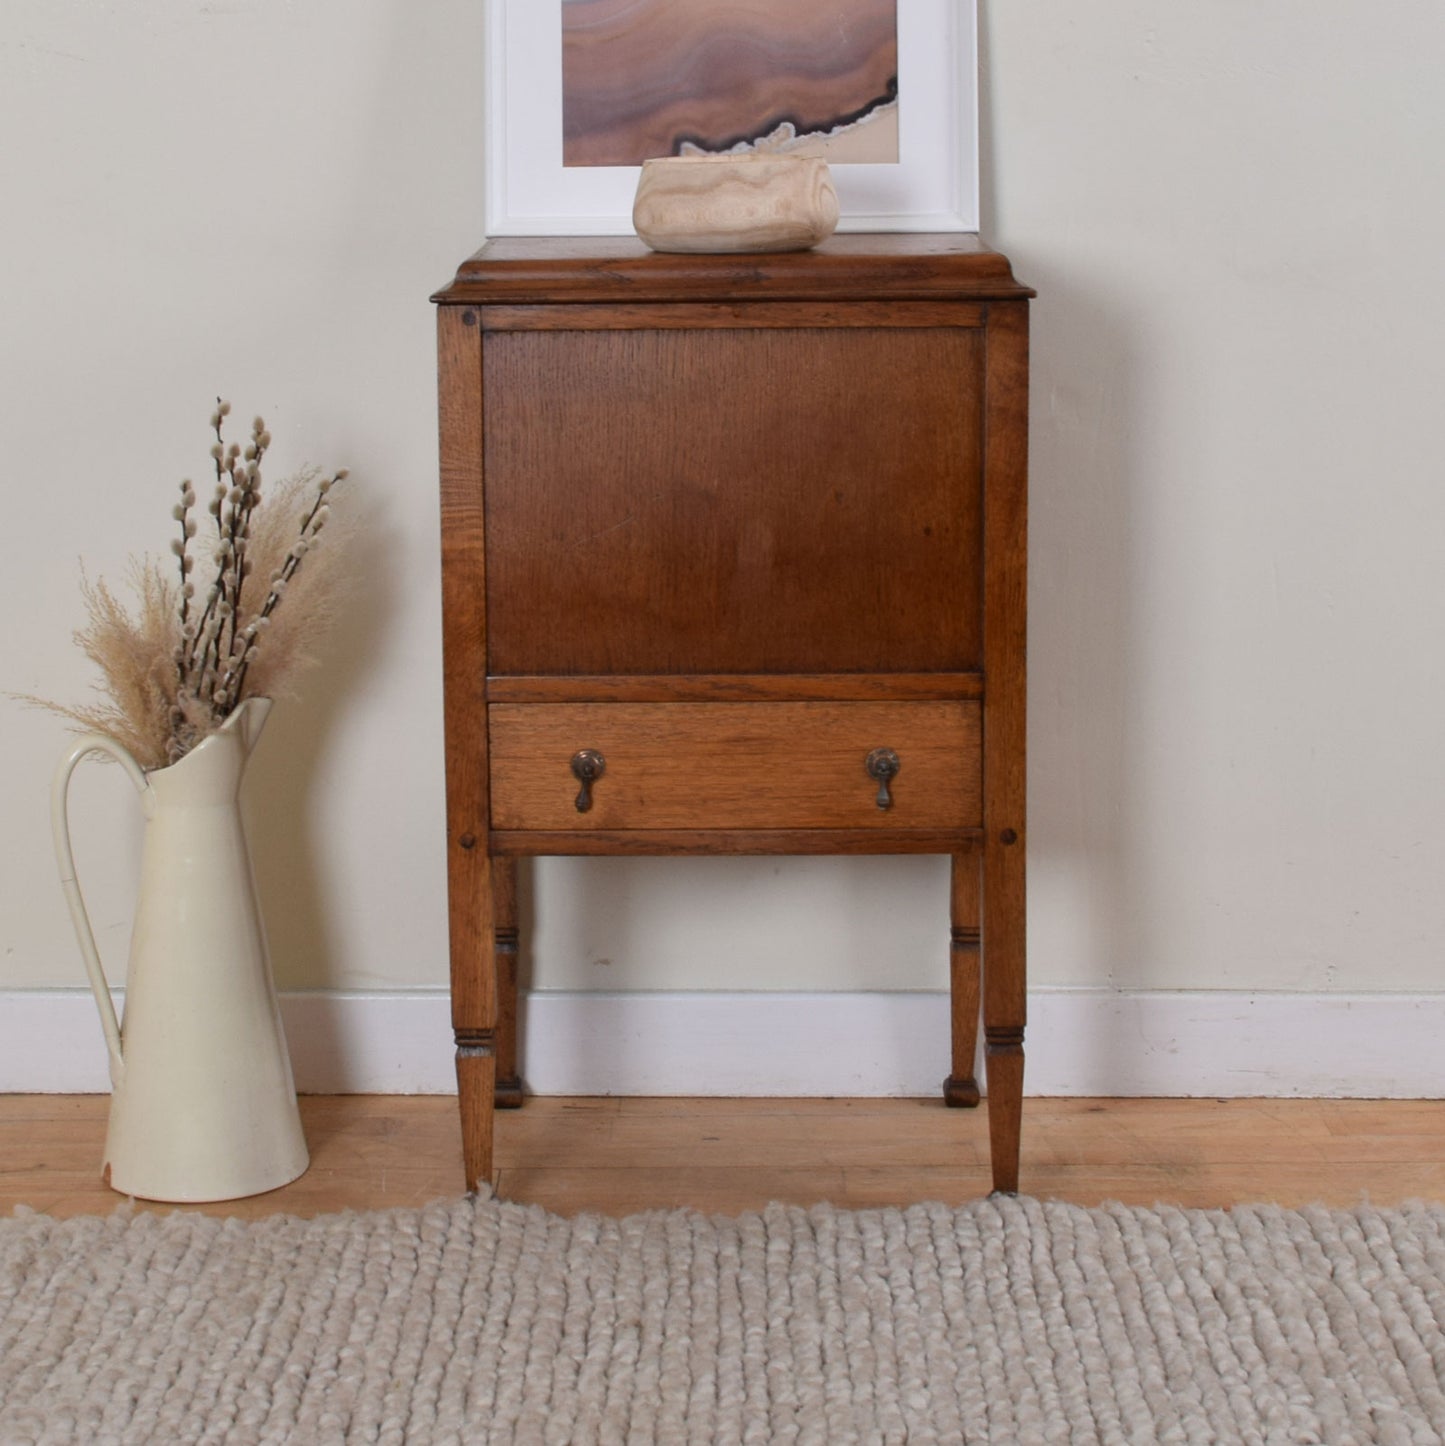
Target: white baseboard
[1079,1042]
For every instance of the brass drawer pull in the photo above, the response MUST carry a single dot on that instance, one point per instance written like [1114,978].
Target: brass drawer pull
[588,765]
[883,764]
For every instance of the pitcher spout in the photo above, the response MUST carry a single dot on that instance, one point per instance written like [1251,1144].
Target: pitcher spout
[211,772]
[247,721]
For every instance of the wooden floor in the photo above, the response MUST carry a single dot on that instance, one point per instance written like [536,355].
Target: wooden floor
[622,1155]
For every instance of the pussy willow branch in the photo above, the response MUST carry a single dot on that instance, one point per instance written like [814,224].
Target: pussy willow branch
[199,636]
[249,486]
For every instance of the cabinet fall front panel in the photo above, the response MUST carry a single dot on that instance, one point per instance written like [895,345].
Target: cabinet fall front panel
[733,499]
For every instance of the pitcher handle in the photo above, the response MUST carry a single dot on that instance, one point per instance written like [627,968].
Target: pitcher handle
[65,861]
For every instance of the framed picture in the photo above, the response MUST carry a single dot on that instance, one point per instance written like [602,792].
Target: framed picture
[581,91]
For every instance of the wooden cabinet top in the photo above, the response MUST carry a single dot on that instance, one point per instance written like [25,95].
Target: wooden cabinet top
[896,266]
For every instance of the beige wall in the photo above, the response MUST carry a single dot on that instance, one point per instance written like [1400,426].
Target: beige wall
[1234,218]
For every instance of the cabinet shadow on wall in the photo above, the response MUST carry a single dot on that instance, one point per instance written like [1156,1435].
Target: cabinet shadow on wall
[1089,881]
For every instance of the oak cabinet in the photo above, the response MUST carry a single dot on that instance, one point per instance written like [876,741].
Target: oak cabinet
[734,561]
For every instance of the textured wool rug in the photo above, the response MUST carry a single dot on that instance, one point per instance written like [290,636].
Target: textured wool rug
[474,1321]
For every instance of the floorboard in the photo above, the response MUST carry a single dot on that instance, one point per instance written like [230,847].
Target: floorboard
[724,1155]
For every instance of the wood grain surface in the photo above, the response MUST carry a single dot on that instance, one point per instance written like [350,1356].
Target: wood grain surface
[770,315]
[707,501]
[617,1156]
[916,266]
[1005,648]
[731,687]
[735,765]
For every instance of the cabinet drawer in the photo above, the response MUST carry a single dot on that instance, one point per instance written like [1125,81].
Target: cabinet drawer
[735,765]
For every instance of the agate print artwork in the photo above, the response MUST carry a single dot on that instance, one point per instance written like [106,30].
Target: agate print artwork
[650,78]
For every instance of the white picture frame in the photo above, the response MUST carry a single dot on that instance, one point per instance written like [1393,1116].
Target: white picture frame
[933,186]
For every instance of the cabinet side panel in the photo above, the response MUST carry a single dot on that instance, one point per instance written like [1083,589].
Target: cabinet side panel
[733,500]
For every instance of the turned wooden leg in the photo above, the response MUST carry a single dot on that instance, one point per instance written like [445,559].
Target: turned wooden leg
[961,1088]
[474,1005]
[476,1091]
[1004,1001]
[504,913]
[1005,1105]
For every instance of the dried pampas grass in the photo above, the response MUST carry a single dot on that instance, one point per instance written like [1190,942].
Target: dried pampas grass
[252,594]
[133,652]
[314,594]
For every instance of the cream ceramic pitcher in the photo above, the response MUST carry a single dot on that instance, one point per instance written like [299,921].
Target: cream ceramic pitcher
[203,1106]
